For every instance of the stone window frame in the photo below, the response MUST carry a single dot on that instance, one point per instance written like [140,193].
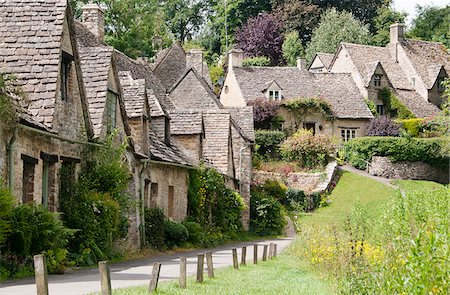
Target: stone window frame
[48,168]
[111,110]
[380,109]
[28,174]
[348,133]
[377,80]
[66,62]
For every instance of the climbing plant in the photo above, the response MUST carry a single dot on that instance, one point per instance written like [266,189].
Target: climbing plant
[301,107]
[393,106]
[8,114]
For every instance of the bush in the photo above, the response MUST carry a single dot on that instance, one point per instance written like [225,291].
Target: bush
[258,61]
[6,207]
[266,214]
[268,142]
[154,227]
[274,189]
[196,233]
[308,150]
[412,126]
[382,126]
[264,112]
[434,151]
[227,213]
[175,234]
[435,125]
[295,200]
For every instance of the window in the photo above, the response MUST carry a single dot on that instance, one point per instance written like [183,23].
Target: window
[380,109]
[170,202]
[413,81]
[111,103]
[310,126]
[48,181]
[377,80]
[440,85]
[29,165]
[347,134]
[66,61]
[153,194]
[274,95]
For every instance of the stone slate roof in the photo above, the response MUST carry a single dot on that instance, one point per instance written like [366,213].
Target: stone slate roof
[160,151]
[325,58]
[134,95]
[217,137]
[30,35]
[414,102]
[243,120]
[186,122]
[95,64]
[155,107]
[365,57]
[339,90]
[427,58]
[170,65]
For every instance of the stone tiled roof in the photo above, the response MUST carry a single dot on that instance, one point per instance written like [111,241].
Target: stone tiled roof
[365,57]
[155,107]
[95,64]
[243,118]
[339,90]
[134,95]
[427,59]
[414,102]
[184,122]
[217,137]
[160,151]
[171,65]
[326,58]
[30,35]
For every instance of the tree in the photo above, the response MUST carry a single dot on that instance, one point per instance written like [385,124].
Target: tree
[336,27]
[292,48]
[432,24]
[386,16]
[261,36]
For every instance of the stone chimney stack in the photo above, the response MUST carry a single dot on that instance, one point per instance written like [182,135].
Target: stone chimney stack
[194,59]
[396,33]
[301,64]
[94,19]
[235,58]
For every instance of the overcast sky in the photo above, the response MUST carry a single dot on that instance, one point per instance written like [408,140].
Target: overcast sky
[410,6]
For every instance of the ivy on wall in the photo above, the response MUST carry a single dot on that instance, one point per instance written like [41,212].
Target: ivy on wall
[304,106]
[393,106]
[8,114]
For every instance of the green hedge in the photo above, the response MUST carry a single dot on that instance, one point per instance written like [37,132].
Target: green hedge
[412,126]
[434,151]
[268,142]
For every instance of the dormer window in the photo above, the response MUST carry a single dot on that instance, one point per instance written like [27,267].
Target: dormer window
[377,80]
[274,94]
[111,104]
[66,61]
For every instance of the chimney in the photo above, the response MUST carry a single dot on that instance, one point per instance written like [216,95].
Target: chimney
[301,63]
[235,58]
[94,19]
[396,33]
[194,59]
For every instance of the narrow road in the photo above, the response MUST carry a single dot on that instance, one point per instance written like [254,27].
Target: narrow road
[136,272]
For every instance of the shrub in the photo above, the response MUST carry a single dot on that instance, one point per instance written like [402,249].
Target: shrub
[258,61]
[175,234]
[154,227]
[196,233]
[227,213]
[435,125]
[266,214]
[274,189]
[307,149]
[268,142]
[6,207]
[382,126]
[434,151]
[264,112]
[412,126]
[295,200]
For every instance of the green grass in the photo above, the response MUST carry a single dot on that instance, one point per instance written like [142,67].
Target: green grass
[284,275]
[414,185]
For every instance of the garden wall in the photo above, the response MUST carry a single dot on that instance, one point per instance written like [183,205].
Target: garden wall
[307,182]
[382,166]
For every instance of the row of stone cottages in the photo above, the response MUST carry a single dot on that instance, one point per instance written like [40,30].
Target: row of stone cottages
[413,70]
[77,90]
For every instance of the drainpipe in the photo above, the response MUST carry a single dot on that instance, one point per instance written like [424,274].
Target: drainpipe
[142,197]
[11,148]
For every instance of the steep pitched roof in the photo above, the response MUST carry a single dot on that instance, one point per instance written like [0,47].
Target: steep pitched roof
[364,57]
[186,122]
[134,95]
[414,102]
[243,119]
[155,107]
[160,151]
[171,65]
[30,36]
[217,137]
[325,58]
[427,59]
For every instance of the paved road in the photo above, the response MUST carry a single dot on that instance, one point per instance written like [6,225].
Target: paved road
[134,272]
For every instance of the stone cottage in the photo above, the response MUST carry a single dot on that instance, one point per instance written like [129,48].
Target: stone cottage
[339,91]
[321,62]
[413,70]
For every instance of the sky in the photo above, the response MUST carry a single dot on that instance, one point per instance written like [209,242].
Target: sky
[410,6]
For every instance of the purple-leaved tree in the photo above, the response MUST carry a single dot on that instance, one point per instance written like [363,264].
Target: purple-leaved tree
[261,36]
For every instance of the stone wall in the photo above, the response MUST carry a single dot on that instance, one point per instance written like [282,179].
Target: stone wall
[382,166]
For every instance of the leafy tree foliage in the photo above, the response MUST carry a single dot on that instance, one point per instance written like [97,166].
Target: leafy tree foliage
[292,48]
[336,27]
[386,16]
[258,61]
[261,36]
[432,24]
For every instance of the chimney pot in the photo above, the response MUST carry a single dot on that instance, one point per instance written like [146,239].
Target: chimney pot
[396,33]
[94,19]
[301,63]
[235,58]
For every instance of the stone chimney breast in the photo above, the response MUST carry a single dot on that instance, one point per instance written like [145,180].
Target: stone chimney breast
[396,33]
[194,59]
[94,19]
[235,58]
[301,63]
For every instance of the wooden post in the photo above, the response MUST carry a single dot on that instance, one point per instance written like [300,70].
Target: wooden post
[200,265]
[182,279]
[40,273]
[209,264]
[264,258]
[270,251]
[235,259]
[255,254]
[244,256]
[105,277]
[155,277]
[274,250]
